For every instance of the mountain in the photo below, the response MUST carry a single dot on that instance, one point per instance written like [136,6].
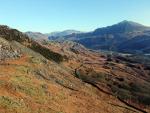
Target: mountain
[55,35]
[65,77]
[37,35]
[122,27]
[115,38]
[64,33]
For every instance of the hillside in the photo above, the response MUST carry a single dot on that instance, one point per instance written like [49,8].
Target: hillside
[65,77]
[114,37]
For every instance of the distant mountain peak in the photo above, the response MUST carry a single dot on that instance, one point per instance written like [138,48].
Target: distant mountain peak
[130,24]
[37,35]
[64,33]
[127,21]
[122,27]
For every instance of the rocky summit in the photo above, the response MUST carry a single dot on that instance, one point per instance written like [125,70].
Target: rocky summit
[65,77]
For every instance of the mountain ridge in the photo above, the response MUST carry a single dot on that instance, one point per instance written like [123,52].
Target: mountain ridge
[45,36]
[111,37]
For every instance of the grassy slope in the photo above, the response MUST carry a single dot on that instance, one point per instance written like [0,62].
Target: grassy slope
[24,90]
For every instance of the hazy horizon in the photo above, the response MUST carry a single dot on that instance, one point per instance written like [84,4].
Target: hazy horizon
[49,16]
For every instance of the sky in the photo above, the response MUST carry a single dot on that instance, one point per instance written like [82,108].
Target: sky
[85,15]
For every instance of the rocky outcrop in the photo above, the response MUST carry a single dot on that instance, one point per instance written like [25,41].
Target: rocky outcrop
[7,51]
[15,35]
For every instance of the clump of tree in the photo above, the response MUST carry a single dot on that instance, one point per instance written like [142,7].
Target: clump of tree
[47,53]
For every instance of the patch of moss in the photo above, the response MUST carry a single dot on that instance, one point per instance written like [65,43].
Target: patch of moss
[21,79]
[35,60]
[2,82]
[8,102]
[22,69]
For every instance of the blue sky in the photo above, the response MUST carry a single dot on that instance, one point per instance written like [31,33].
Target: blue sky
[85,15]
